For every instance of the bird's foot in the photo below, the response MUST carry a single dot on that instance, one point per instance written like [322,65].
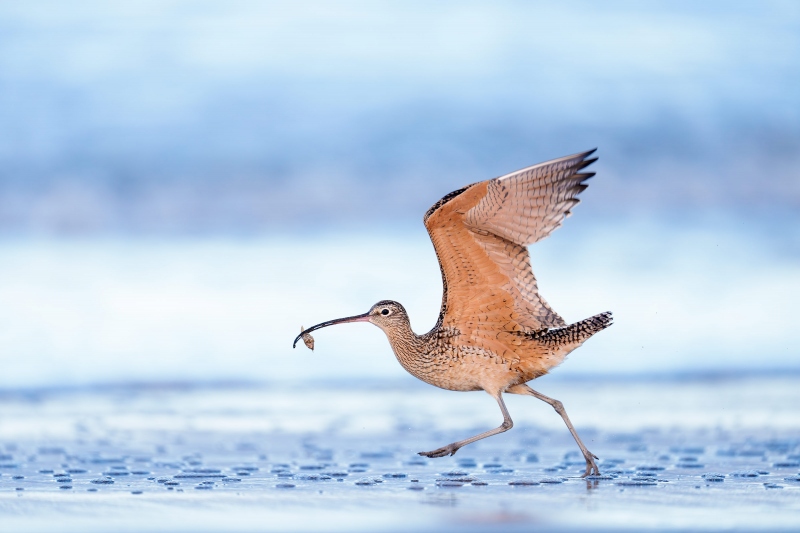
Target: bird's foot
[591,466]
[450,449]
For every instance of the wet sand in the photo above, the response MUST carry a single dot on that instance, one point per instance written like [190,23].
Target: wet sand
[678,454]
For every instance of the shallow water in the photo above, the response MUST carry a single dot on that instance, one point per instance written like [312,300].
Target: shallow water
[698,454]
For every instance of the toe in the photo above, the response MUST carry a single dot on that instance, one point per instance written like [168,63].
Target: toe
[435,453]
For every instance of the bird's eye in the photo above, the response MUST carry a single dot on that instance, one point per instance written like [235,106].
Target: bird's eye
[385,312]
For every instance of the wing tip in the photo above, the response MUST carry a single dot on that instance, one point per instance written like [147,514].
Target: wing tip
[575,161]
[584,160]
[581,156]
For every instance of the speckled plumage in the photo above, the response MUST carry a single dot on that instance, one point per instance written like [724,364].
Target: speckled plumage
[494,332]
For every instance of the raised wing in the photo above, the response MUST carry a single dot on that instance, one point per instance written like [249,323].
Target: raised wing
[480,234]
[527,205]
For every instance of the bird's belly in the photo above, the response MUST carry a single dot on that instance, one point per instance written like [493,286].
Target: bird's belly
[466,372]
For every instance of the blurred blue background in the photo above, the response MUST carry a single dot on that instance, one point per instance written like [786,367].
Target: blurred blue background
[183,184]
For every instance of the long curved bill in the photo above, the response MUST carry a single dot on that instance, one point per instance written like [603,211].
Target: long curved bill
[357,318]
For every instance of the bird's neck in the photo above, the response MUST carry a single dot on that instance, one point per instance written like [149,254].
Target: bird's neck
[405,343]
[400,331]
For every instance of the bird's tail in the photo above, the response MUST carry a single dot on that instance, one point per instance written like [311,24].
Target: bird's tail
[559,342]
[575,334]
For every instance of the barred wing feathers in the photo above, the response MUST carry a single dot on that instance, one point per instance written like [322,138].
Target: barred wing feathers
[480,234]
[526,206]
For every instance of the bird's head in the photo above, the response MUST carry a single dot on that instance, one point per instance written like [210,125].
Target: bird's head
[386,314]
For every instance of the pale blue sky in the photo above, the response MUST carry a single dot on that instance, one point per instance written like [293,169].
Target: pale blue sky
[179,116]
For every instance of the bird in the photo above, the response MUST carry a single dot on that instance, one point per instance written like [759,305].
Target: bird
[494,332]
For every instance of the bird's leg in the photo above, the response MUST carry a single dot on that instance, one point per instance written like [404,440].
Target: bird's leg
[451,449]
[591,466]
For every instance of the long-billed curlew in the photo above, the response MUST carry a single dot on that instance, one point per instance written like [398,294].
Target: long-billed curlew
[495,332]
